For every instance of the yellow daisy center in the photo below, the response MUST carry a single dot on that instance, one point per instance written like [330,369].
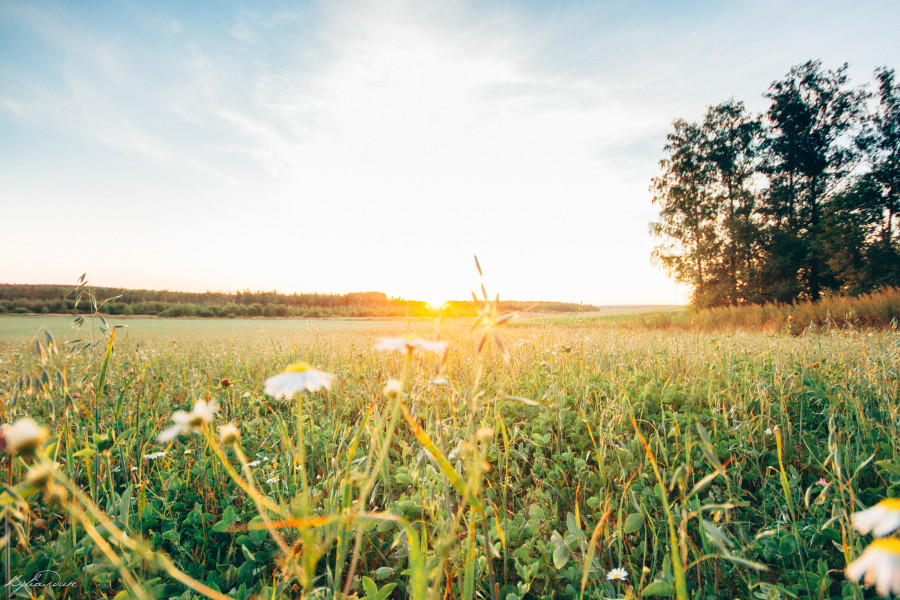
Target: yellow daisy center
[890,545]
[298,367]
[890,504]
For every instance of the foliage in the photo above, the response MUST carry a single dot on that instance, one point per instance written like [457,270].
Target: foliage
[57,299]
[585,448]
[787,206]
[863,313]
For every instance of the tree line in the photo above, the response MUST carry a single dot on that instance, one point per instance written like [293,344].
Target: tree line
[60,299]
[789,205]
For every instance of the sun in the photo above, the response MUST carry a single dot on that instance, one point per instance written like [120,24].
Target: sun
[436,303]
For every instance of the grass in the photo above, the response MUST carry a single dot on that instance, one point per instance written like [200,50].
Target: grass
[879,310]
[595,447]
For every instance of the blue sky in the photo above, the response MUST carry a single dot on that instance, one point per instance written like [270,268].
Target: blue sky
[360,145]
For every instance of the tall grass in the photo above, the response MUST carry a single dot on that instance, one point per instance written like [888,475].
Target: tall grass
[876,310]
[706,466]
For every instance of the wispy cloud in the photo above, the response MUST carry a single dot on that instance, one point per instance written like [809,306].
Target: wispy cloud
[525,131]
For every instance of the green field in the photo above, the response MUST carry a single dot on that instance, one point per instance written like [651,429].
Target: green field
[714,466]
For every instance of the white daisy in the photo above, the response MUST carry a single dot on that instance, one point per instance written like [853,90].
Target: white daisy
[881,519]
[411,345]
[24,436]
[618,574]
[297,377]
[879,565]
[201,414]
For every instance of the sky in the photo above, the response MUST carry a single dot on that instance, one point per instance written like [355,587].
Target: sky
[358,145]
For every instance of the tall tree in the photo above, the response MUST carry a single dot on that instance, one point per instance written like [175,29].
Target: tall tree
[688,212]
[811,115]
[731,140]
[706,204]
[880,187]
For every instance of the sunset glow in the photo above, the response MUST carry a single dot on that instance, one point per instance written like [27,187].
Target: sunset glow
[377,145]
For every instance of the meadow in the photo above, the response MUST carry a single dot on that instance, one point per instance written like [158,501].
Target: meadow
[535,458]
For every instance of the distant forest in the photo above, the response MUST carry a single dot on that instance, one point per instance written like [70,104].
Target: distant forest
[60,299]
[791,205]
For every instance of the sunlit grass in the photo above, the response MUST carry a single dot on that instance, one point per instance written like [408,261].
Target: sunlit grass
[461,475]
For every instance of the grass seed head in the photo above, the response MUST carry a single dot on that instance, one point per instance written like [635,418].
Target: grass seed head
[229,433]
[22,437]
[41,474]
[392,389]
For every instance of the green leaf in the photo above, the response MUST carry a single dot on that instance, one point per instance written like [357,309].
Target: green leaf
[257,535]
[247,554]
[560,556]
[657,588]
[384,592]
[889,466]
[572,525]
[125,504]
[370,588]
[633,523]
[788,545]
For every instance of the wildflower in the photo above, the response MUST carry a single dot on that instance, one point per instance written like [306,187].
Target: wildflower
[411,345]
[821,481]
[225,383]
[618,574]
[255,463]
[392,388]
[245,395]
[297,377]
[200,415]
[55,494]
[134,468]
[272,480]
[22,437]
[40,474]
[771,430]
[129,372]
[153,456]
[76,394]
[229,433]
[879,565]
[881,519]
